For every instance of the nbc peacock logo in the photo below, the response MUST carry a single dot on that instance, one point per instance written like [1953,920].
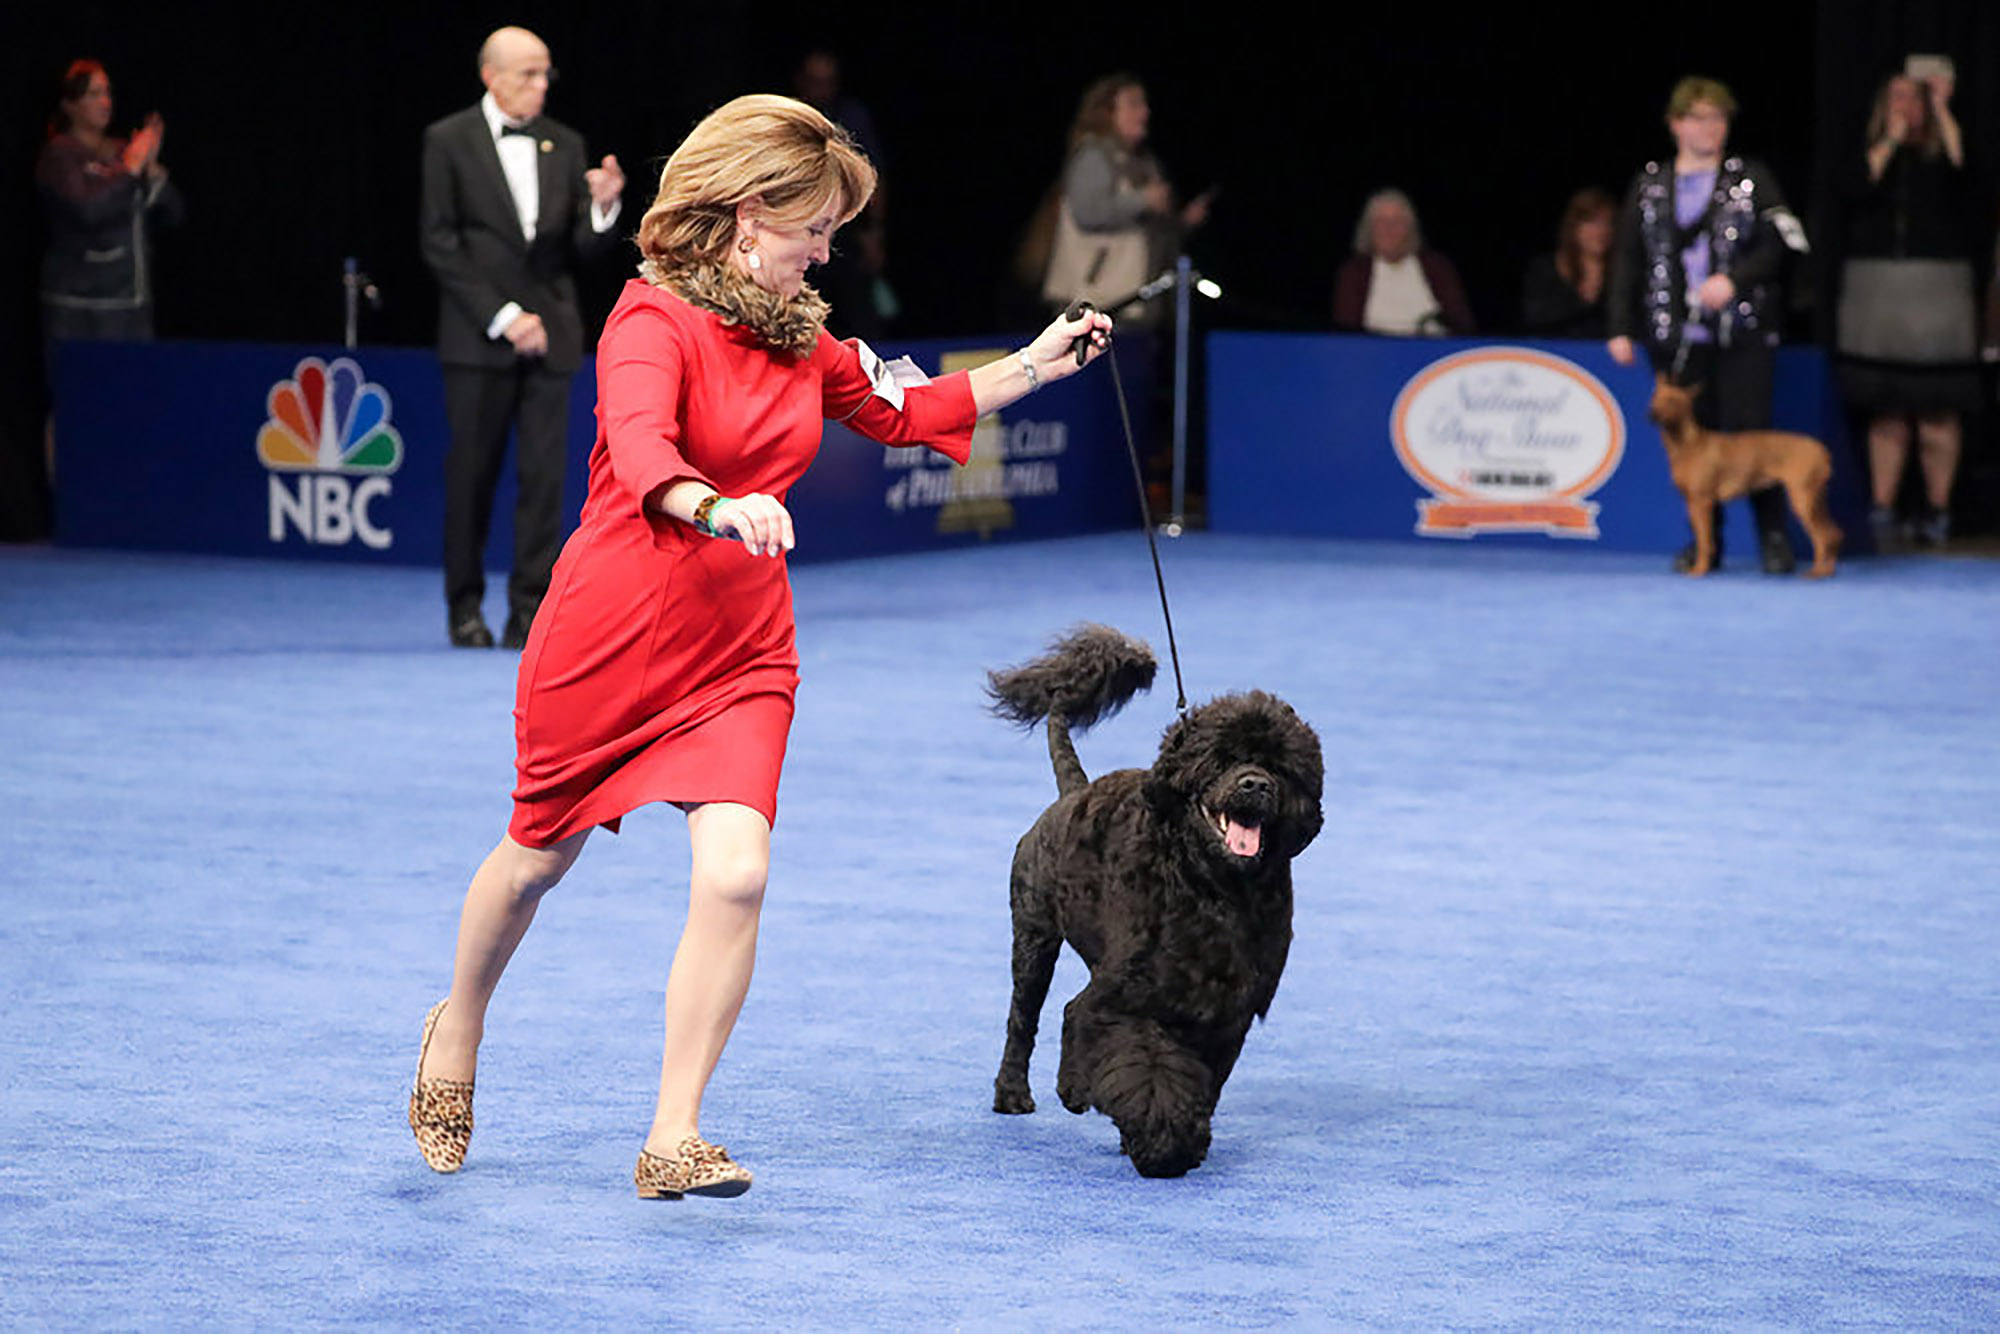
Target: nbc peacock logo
[330,449]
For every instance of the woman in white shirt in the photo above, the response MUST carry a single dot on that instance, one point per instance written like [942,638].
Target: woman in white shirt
[1392,284]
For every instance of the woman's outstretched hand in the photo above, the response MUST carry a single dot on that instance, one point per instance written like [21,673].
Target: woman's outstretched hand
[1061,350]
[1054,348]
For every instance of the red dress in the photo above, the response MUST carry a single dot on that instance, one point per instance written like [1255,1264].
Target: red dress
[661,666]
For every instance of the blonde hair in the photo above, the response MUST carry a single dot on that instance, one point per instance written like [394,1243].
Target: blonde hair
[781,152]
[1694,89]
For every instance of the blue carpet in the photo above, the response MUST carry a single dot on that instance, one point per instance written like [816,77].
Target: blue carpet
[1645,972]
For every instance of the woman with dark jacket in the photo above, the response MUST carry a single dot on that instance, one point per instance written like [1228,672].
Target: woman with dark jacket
[1907,306]
[1562,295]
[100,197]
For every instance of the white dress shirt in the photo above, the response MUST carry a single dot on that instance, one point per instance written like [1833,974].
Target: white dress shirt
[1399,298]
[518,160]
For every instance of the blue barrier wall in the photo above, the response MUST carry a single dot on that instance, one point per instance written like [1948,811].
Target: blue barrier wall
[325,453]
[1455,439]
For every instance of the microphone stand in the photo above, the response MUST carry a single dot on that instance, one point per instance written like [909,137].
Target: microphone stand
[1182,279]
[356,287]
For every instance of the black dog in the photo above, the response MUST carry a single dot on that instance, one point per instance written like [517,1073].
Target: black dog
[1173,883]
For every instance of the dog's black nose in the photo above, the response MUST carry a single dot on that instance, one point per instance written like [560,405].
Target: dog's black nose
[1256,785]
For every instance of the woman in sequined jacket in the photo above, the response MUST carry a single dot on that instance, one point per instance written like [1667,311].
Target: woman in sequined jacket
[1743,247]
[1696,276]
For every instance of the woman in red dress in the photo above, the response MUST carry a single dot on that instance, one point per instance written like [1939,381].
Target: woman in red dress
[662,664]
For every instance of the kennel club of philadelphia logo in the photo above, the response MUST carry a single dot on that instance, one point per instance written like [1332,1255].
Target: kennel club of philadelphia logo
[1011,460]
[330,450]
[1507,440]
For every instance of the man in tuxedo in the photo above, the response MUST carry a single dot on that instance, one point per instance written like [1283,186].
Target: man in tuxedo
[509,207]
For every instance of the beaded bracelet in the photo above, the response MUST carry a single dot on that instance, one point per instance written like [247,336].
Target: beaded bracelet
[704,514]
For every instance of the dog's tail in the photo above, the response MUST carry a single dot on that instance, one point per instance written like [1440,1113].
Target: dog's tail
[1086,676]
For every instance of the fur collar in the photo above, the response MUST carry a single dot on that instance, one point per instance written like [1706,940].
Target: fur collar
[789,324]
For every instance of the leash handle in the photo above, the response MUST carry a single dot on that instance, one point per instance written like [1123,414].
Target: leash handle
[1077,310]
[1081,346]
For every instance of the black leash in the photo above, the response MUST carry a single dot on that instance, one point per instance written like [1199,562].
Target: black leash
[1076,311]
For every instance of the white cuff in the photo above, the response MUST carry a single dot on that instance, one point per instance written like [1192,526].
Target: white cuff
[601,217]
[497,326]
[887,379]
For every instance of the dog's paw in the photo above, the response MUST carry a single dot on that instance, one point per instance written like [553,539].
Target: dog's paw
[1166,1165]
[1165,1150]
[1074,1097]
[1012,1100]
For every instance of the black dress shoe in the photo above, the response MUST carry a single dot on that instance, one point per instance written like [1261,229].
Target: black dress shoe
[1778,557]
[471,633]
[515,636]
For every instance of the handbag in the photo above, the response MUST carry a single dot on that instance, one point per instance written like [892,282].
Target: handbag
[1100,267]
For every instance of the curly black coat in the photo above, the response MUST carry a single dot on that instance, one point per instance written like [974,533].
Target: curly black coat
[1174,885]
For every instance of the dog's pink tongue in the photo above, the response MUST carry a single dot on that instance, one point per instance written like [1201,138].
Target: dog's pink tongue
[1243,839]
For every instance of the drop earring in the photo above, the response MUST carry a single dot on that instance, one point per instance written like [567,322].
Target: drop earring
[749,248]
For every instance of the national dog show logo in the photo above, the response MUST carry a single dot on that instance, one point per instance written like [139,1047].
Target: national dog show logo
[1507,439]
[330,450]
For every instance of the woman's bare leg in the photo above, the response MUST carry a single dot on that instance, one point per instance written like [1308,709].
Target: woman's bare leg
[731,855]
[1938,437]
[501,903]
[1888,453]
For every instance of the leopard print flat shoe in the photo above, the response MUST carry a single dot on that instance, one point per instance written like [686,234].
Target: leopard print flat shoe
[440,1109]
[697,1168]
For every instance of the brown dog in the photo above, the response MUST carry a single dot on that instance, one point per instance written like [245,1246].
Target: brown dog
[1709,466]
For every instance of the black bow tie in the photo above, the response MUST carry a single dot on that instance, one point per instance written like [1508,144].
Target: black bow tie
[506,130]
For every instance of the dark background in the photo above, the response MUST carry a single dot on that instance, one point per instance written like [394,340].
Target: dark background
[293,132]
